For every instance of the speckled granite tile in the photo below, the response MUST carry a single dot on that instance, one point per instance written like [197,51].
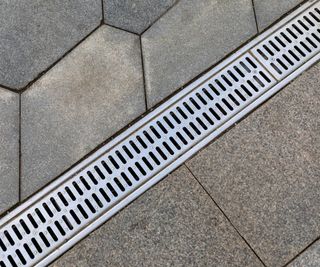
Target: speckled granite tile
[173,224]
[309,258]
[264,172]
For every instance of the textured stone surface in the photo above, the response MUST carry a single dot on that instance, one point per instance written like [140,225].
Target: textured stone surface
[174,224]
[268,11]
[34,34]
[191,37]
[93,92]
[264,173]
[134,15]
[309,258]
[9,149]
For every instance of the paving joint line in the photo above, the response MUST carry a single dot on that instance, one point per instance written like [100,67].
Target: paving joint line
[121,29]
[225,215]
[160,17]
[102,7]
[255,15]
[20,155]
[41,74]
[143,75]
[302,251]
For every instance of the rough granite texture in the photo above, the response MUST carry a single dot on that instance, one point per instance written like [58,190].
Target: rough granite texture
[264,173]
[309,258]
[92,93]
[9,149]
[174,224]
[134,15]
[34,34]
[191,37]
[268,11]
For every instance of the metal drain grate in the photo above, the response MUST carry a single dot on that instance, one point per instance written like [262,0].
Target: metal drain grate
[55,219]
[289,47]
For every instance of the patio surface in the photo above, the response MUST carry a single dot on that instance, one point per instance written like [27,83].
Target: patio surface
[74,73]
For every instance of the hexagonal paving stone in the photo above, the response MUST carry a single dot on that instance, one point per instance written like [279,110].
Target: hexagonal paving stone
[268,11]
[9,149]
[34,34]
[134,15]
[88,96]
[191,37]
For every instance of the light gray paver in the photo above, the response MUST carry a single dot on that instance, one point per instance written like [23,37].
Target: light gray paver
[92,93]
[9,149]
[268,11]
[191,37]
[309,258]
[134,15]
[34,34]
[264,173]
[174,224]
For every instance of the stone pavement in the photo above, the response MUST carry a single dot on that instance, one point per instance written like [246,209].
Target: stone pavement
[264,176]
[73,73]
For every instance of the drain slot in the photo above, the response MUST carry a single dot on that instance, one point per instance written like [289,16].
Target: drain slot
[89,194]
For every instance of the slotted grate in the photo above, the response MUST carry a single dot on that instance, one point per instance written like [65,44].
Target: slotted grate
[69,208]
[53,220]
[292,45]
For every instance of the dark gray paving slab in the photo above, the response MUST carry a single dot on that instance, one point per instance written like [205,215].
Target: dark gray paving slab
[9,149]
[134,15]
[268,11]
[264,172]
[174,224]
[191,37]
[34,34]
[309,258]
[88,96]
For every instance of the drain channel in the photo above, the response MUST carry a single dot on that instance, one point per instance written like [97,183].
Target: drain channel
[60,215]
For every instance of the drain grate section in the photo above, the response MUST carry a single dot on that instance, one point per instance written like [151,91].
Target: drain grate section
[110,178]
[292,45]
[56,218]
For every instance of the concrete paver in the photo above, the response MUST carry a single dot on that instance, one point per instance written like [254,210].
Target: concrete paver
[9,149]
[309,258]
[34,34]
[173,224]
[134,15]
[88,96]
[268,11]
[191,37]
[264,173]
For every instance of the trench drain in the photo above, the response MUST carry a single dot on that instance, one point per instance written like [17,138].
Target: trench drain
[52,221]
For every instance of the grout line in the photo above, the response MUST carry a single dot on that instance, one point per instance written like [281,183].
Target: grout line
[19,189]
[255,15]
[302,251]
[57,61]
[102,8]
[228,219]
[10,89]
[143,75]
[160,17]
[118,28]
